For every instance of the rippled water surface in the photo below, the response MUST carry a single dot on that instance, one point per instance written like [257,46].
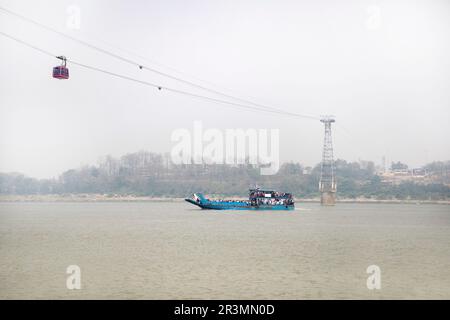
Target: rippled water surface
[171,250]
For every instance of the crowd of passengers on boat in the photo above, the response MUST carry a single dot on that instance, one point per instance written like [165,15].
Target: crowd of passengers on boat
[273,194]
[271,201]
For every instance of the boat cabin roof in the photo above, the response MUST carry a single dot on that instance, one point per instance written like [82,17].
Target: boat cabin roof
[261,190]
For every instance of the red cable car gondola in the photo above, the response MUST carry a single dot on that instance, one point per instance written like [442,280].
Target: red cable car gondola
[61,72]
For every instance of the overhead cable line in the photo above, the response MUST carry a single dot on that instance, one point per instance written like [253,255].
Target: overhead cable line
[143,67]
[165,66]
[159,87]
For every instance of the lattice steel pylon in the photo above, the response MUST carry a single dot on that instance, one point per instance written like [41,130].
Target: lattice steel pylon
[327,184]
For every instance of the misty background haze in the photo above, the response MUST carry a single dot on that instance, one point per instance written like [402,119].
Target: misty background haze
[381,67]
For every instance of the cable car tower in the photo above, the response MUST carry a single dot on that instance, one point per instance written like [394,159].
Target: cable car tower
[327,184]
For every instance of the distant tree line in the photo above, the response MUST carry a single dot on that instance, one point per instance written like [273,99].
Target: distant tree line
[150,174]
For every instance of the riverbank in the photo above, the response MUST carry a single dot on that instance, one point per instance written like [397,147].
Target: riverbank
[84,198]
[133,198]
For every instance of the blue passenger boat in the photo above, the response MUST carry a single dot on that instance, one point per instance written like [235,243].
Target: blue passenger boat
[258,200]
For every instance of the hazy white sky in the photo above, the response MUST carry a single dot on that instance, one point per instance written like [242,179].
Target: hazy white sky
[381,67]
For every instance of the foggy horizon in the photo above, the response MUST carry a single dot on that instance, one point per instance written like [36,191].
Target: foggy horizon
[378,165]
[381,68]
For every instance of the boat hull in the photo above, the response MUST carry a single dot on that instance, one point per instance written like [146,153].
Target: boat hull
[237,205]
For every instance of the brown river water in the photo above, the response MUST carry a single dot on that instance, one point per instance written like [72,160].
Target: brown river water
[172,250]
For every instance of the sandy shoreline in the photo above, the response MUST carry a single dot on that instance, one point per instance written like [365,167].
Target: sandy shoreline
[132,198]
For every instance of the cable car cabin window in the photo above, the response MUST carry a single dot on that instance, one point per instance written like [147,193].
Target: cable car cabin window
[60,72]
